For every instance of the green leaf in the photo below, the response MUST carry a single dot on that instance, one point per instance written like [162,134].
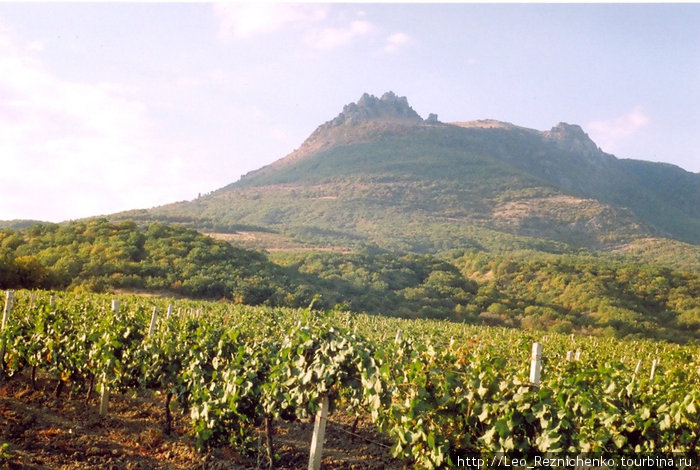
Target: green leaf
[619,440]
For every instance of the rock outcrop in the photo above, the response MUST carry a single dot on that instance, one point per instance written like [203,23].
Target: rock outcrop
[389,107]
[571,138]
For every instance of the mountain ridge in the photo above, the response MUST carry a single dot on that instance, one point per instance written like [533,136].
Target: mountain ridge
[382,211]
[380,174]
[371,116]
[389,110]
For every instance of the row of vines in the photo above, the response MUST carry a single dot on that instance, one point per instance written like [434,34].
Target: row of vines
[438,390]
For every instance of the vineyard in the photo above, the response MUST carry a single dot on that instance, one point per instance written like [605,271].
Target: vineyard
[438,393]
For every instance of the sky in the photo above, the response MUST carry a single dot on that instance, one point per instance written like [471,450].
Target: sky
[107,107]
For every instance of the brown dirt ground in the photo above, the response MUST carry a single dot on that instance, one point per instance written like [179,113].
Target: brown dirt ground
[66,434]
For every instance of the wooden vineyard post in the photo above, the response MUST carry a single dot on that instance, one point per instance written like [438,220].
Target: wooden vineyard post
[9,299]
[536,363]
[170,311]
[104,392]
[318,436]
[654,363]
[636,369]
[52,301]
[152,327]
[104,399]
[569,356]
[577,357]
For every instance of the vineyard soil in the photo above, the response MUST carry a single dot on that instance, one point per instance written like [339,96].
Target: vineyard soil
[48,433]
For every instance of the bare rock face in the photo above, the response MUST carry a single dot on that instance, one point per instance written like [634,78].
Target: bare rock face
[367,114]
[389,107]
[432,118]
[572,138]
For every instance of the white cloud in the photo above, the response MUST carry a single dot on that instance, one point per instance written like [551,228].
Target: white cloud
[330,38]
[319,30]
[395,41]
[608,134]
[245,20]
[71,149]
[213,77]
[622,126]
[36,46]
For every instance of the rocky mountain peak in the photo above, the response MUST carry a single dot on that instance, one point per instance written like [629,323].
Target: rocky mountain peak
[572,138]
[388,111]
[565,131]
[389,107]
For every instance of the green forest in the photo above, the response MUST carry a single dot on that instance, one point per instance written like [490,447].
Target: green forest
[602,295]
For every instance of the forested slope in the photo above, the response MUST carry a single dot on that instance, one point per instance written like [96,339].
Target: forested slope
[594,294]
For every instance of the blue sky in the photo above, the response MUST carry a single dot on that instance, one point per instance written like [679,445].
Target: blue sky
[114,106]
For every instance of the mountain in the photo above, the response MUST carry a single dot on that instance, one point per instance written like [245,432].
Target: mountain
[380,175]
[382,211]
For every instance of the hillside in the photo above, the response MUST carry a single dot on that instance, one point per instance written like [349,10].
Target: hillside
[380,175]
[597,295]
[384,212]
[546,230]
[98,255]
[539,230]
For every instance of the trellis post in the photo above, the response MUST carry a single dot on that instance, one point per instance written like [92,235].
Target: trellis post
[154,316]
[9,299]
[104,392]
[104,399]
[536,363]
[319,434]
[115,306]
